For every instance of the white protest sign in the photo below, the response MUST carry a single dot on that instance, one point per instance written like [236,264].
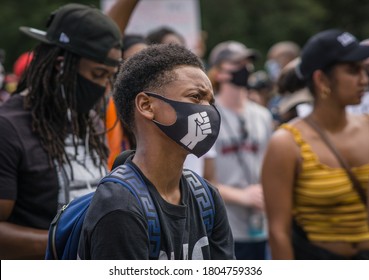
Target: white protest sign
[183,16]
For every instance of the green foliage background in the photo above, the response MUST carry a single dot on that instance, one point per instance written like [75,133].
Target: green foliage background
[256,23]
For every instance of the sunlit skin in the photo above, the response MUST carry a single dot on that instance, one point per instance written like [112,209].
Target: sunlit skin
[349,83]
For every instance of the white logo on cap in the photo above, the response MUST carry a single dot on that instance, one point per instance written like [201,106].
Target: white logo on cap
[346,39]
[63,38]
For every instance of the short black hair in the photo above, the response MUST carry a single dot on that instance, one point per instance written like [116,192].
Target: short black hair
[157,36]
[149,70]
[289,82]
[130,40]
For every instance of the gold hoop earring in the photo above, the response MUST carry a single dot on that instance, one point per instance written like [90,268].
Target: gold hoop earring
[326,92]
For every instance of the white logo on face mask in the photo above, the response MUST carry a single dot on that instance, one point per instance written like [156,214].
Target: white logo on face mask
[198,128]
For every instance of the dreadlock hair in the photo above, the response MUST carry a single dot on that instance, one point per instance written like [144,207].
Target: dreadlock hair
[52,97]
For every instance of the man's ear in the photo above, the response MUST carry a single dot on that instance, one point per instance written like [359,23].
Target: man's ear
[144,106]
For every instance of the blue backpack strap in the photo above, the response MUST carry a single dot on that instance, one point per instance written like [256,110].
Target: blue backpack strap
[204,198]
[127,176]
[65,229]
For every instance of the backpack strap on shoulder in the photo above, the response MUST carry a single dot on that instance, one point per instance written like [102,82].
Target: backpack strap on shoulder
[127,176]
[204,198]
[65,229]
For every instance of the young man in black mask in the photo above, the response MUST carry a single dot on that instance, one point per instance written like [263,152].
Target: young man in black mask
[164,95]
[51,148]
[244,133]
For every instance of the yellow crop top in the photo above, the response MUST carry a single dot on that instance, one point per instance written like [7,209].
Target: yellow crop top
[325,204]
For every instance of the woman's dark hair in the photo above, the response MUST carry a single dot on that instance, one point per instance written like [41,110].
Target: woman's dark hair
[289,82]
[149,70]
[327,71]
[49,104]
[132,39]
[157,36]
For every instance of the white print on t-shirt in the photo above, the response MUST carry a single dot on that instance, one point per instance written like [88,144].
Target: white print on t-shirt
[196,252]
[78,177]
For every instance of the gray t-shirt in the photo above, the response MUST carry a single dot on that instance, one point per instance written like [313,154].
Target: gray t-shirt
[240,149]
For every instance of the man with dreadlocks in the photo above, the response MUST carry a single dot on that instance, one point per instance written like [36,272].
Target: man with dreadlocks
[51,149]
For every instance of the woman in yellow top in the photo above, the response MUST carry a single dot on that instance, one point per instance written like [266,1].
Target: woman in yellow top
[304,183]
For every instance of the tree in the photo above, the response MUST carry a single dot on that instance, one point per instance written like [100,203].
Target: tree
[258,24]
[14,14]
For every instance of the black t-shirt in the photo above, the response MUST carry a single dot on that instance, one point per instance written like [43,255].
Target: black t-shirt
[26,175]
[115,226]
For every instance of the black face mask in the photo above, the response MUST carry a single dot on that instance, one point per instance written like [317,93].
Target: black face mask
[87,94]
[196,127]
[240,77]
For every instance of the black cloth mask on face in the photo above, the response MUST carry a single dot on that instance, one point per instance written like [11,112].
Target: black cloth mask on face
[240,77]
[88,94]
[196,127]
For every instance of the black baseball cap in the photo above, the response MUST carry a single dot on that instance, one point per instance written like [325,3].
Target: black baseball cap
[82,30]
[327,48]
